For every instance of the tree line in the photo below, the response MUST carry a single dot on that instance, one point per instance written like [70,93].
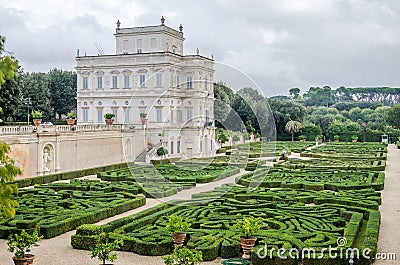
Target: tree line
[323,112]
[53,93]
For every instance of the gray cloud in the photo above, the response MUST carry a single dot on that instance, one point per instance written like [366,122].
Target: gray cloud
[280,44]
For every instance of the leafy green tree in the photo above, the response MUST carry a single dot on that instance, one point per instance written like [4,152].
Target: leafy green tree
[223,100]
[11,96]
[36,87]
[62,86]
[322,116]
[221,136]
[7,174]
[393,116]
[310,130]
[283,109]
[251,106]
[294,93]
[336,128]
[8,65]
[292,127]
[317,96]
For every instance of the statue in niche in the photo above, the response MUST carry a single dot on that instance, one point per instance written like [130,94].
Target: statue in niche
[46,159]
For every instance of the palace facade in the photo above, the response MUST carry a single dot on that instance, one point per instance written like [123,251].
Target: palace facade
[149,83]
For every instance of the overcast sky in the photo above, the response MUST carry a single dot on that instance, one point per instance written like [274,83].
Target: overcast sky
[278,44]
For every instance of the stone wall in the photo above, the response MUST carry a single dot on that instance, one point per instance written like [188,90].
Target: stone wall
[46,152]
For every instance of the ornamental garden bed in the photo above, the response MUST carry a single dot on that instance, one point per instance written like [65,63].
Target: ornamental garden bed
[58,208]
[291,219]
[313,178]
[337,164]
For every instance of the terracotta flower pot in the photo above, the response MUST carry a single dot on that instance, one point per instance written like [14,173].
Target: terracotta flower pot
[70,122]
[247,244]
[27,260]
[178,239]
[144,121]
[109,121]
[37,122]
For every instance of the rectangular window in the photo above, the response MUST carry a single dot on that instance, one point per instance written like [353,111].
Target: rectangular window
[189,84]
[100,115]
[142,80]
[207,117]
[125,44]
[153,43]
[172,147]
[126,115]
[172,116]
[179,114]
[205,83]
[189,114]
[211,144]
[177,81]
[171,77]
[99,82]
[139,45]
[115,81]
[159,115]
[126,81]
[85,115]
[201,146]
[115,112]
[85,84]
[178,147]
[159,80]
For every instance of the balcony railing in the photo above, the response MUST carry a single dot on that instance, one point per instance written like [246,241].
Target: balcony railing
[17,130]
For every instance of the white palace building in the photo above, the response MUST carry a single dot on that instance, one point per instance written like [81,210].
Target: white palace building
[150,74]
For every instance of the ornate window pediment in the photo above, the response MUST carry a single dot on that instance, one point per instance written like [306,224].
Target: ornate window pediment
[127,72]
[99,72]
[142,71]
[114,72]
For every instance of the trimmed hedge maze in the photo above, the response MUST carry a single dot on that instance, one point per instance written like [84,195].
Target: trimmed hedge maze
[291,219]
[57,208]
[337,164]
[313,179]
[164,173]
[371,151]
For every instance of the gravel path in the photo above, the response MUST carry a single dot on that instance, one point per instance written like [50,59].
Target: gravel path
[389,234]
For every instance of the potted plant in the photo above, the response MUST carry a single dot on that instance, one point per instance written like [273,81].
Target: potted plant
[105,251]
[71,118]
[336,138]
[183,256]
[248,226]
[302,138]
[37,117]
[319,138]
[20,244]
[178,229]
[143,118]
[354,138]
[161,151]
[109,118]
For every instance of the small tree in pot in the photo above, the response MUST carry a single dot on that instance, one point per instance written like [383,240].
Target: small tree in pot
[109,118]
[143,117]
[20,244]
[248,226]
[178,228]
[71,117]
[105,251]
[37,117]
[183,256]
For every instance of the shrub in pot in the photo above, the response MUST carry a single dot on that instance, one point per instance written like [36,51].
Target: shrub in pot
[354,138]
[37,117]
[109,118]
[71,117]
[183,256]
[143,118]
[106,251]
[336,138]
[178,229]
[20,244]
[248,226]
[302,138]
